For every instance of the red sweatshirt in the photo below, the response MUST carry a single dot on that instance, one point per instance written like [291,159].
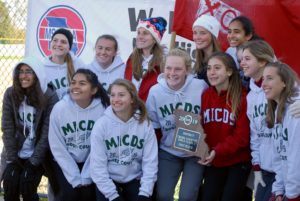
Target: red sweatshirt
[229,137]
[149,79]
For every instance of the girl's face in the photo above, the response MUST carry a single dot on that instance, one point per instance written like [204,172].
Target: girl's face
[217,74]
[175,72]
[81,90]
[26,76]
[202,37]
[144,39]
[59,45]
[105,52]
[120,100]
[272,83]
[236,34]
[251,66]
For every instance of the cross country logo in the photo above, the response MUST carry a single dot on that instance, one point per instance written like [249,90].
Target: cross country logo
[222,11]
[61,16]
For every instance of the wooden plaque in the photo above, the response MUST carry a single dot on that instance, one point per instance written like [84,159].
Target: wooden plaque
[189,136]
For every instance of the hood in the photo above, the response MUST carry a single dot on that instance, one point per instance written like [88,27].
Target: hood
[74,107]
[254,87]
[117,63]
[163,82]
[180,92]
[111,115]
[38,68]
[48,63]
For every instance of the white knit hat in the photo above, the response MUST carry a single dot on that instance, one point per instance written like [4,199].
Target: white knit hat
[208,22]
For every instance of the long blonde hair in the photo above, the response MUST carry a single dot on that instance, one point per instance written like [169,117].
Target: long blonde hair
[70,67]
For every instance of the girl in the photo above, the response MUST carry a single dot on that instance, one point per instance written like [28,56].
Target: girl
[71,123]
[61,64]
[227,127]
[255,55]
[281,86]
[240,30]
[176,89]
[25,121]
[107,65]
[124,148]
[143,65]
[205,33]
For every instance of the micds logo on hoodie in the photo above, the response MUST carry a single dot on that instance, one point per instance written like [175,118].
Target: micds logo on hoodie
[59,83]
[80,126]
[124,140]
[169,109]
[281,141]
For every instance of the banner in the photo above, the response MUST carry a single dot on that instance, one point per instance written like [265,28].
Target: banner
[91,18]
[276,21]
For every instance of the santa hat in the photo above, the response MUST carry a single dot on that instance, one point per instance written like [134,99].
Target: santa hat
[156,26]
[208,22]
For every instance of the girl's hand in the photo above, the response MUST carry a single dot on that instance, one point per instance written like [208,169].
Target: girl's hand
[208,159]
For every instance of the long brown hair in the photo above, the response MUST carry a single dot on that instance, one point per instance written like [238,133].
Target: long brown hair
[234,91]
[137,60]
[34,94]
[202,58]
[138,106]
[291,80]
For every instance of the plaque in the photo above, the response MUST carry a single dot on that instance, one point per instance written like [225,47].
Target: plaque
[189,136]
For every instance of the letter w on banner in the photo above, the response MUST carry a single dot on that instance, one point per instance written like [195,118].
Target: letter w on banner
[275,21]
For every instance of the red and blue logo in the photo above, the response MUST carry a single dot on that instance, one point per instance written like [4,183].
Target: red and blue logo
[61,16]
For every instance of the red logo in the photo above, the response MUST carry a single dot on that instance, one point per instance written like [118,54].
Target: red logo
[61,16]
[222,11]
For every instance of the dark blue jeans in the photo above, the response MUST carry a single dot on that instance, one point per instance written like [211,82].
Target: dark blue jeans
[264,193]
[68,193]
[128,191]
[225,183]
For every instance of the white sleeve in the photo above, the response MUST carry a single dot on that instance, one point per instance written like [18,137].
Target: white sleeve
[58,148]
[293,159]
[254,140]
[151,108]
[85,173]
[99,163]
[278,184]
[149,163]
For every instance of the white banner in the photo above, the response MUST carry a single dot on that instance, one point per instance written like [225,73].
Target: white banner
[89,19]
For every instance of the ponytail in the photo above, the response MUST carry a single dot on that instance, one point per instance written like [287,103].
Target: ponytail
[70,67]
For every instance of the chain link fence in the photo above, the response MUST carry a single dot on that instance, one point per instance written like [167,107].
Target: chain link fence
[13,16]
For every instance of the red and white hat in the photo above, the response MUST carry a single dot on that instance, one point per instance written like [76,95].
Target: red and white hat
[156,26]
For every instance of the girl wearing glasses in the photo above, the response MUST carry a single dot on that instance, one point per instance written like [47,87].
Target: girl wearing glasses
[25,119]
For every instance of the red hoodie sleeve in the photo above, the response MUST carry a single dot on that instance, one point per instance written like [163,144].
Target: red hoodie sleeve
[240,139]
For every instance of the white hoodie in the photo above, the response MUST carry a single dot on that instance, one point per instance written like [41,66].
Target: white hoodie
[287,140]
[135,158]
[261,141]
[111,73]
[162,102]
[69,137]
[57,74]
[27,112]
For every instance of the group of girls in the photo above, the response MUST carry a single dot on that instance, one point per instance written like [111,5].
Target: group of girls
[120,147]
